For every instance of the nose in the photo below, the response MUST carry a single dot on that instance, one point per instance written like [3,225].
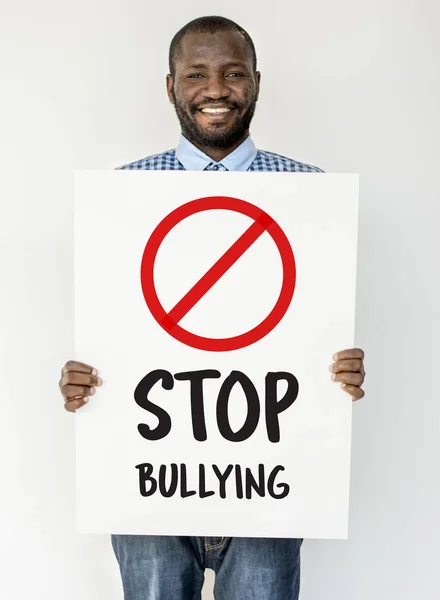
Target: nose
[216,87]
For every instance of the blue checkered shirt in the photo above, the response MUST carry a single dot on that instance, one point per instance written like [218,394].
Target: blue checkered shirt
[244,158]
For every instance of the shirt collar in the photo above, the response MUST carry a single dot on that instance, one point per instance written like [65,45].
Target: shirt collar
[194,159]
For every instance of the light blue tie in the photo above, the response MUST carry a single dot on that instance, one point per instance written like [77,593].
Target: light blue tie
[215,167]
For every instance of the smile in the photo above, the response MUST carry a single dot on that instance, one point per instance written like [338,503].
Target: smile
[214,111]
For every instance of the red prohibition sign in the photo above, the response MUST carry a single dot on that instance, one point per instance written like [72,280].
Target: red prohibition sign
[262,222]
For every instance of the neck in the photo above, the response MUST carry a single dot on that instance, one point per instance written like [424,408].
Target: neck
[218,154]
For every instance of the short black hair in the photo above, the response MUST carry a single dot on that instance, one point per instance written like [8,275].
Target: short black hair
[208,25]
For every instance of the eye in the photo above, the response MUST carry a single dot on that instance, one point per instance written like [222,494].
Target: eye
[194,76]
[234,75]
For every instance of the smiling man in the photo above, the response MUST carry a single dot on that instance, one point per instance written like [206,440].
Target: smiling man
[214,85]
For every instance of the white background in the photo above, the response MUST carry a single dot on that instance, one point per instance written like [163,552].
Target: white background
[349,86]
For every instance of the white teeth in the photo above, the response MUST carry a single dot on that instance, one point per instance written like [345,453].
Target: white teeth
[215,110]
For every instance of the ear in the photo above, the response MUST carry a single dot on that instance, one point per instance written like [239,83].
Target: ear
[258,78]
[170,83]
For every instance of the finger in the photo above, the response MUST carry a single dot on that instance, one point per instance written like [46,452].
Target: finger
[354,365]
[349,354]
[80,367]
[355,392]
[74,378]
[73,391]
[74,404]
[350,378]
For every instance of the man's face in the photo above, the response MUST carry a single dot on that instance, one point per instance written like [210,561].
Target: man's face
[214,89]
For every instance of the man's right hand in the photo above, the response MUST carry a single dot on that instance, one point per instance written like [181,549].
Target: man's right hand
[77,383]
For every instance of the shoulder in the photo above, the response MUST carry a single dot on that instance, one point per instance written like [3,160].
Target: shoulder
[165,161]
[269,161]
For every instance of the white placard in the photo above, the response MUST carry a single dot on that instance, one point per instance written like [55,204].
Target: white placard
[164,460]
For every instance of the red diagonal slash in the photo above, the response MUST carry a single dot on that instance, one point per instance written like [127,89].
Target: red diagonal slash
[217,271]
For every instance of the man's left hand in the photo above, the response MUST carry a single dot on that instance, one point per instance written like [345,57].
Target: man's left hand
[348,369]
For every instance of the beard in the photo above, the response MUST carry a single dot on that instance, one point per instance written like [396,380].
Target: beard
[215,136]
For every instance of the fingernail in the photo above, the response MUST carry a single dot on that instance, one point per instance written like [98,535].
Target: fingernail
[343,385]
[335,356]
[330,368]
[86,399]
[92,390]
[334,376]
[99,381]
[94,372]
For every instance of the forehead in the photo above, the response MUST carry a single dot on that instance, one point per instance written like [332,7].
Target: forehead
[213,48]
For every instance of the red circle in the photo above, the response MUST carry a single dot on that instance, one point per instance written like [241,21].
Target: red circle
[218,344]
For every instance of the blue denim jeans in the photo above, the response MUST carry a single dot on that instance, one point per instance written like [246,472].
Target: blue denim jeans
[172,568]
